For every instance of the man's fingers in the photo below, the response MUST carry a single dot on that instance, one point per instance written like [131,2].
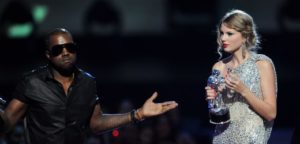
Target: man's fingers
[154,95]
[169,106]
[166,106]
[169,103]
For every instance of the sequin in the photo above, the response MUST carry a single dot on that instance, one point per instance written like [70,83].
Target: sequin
[246,126]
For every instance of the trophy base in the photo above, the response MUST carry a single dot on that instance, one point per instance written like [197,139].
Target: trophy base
[219,117]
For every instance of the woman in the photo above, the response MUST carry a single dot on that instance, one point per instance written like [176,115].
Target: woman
[251,83]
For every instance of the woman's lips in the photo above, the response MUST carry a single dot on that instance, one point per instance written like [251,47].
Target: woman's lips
[225,45]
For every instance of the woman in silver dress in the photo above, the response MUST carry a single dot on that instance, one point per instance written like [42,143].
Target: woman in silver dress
[251,83]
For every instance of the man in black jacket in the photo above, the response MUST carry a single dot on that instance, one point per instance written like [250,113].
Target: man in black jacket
[59,101]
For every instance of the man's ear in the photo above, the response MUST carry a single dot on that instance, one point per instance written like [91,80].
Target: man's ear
[47,54]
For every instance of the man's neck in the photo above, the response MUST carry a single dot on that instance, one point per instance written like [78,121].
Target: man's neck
[64,80]
[63,77]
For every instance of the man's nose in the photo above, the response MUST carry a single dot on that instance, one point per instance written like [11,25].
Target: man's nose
[65,51]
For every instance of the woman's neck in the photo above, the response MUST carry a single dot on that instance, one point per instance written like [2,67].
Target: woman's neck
[237,58]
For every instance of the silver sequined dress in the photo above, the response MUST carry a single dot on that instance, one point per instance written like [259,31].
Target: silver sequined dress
[246,126]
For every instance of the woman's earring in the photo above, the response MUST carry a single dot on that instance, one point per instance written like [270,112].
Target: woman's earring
[244,50]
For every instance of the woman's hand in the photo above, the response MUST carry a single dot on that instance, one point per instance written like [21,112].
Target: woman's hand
[234,83]
[210,93]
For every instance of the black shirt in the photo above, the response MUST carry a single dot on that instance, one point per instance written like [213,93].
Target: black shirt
[51,116]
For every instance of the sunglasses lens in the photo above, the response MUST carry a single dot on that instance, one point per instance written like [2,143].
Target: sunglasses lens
[57,49]
[71,48]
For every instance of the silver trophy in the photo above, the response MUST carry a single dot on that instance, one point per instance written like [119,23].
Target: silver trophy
[218,112]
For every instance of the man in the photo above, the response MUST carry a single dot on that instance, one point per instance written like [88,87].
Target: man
[59,101]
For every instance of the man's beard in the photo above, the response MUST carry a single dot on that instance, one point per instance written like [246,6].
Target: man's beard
[68,71]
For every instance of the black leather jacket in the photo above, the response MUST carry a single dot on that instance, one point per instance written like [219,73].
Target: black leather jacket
[52,117]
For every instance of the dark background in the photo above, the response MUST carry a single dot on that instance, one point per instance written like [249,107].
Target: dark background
[136,47]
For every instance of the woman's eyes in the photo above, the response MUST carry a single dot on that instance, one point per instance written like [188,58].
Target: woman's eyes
[227,33]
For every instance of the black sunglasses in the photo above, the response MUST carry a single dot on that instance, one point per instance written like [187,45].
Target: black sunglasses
[57,49]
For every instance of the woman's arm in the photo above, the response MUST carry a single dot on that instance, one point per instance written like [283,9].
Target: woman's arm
[265,107]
